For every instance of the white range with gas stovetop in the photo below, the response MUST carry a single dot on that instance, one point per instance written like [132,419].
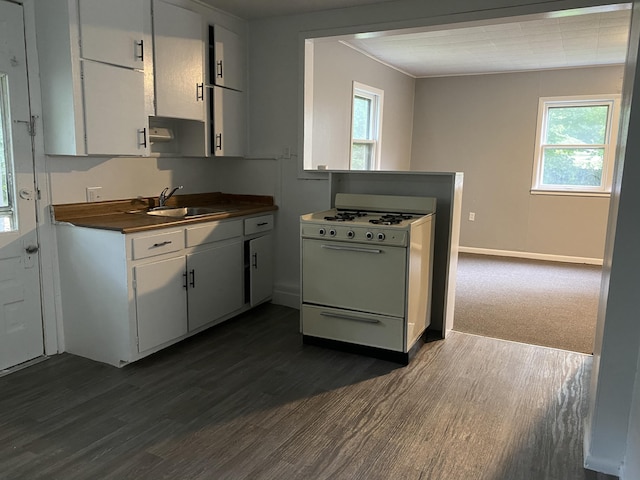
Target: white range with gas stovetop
[366,274]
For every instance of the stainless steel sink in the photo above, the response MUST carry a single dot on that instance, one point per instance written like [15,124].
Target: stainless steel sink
[188,212]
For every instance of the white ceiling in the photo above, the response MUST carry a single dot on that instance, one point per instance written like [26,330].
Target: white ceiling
[576,38]
[516,44]
[254,9]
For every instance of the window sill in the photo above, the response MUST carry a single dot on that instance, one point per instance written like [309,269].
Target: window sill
[569,193]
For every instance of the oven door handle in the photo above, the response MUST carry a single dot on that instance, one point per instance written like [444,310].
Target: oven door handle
[352,249]
[349,317]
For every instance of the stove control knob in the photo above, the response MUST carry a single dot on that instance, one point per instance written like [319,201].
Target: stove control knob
[332,233]
[350,234]
[369,235]
[322,231]
[380,236]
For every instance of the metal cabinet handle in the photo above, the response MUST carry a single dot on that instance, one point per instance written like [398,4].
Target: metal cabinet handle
[31,249]
[349,317]
[199,91]
[262,224]
[140,56]
[143,144]
[219,69]
[161,244]
[353,249]
[255,260]
[218,141]
[193,278]
[184,285]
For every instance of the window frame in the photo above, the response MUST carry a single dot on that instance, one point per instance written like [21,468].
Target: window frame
[376,96]
[9,210]
[611,136]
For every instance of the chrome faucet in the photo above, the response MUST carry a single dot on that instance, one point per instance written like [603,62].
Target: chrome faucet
[164,196]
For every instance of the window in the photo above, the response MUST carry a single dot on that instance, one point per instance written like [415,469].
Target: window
[6,204]
[366,125]
[575,144]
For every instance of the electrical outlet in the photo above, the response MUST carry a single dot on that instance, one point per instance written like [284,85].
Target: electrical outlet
[94,194]
[472,216]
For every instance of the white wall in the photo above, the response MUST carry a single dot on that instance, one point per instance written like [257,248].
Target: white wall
[617,343]
[122,177]
[631,467]
[336,66]
[485,126]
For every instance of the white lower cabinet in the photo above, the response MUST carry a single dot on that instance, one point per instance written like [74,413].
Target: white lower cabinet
[215,283]
[261,269]
[258,259]
[127,296]
[161,303]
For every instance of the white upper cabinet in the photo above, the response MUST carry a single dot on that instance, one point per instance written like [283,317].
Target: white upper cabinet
[91,105]
[178,62]
[227,122]
[113,32]
[226,65]
[109,130]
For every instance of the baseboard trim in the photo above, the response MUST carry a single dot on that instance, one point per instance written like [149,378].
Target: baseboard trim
[288,296]
[598,463]
[531,255]
[602,465]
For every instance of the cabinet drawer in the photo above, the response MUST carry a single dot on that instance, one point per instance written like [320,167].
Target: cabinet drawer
[258,224]
[157,244]
[353,327]
[213,232]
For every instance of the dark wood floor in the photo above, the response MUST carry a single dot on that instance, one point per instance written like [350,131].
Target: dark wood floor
[247,400]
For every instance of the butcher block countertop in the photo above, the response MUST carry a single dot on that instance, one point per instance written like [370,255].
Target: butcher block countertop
[129,216]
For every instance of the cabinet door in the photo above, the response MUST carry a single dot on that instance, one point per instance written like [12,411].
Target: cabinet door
[178,62]
[226,68]
[228,123]
[161,302]
[261,267]
[114,115]
[215,283]
[112,32]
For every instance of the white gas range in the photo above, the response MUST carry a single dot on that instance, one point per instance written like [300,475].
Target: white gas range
[366,273]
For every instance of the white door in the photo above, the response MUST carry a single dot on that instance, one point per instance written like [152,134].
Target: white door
[21,332]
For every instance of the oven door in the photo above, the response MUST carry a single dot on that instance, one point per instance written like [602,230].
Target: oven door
[361,277]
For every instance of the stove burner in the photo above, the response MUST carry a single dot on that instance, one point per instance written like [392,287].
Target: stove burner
[345,216]
[391,219]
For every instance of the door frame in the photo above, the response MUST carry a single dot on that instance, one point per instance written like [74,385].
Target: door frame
[47,258]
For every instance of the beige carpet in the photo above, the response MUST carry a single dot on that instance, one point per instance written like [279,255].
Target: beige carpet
[529,301]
